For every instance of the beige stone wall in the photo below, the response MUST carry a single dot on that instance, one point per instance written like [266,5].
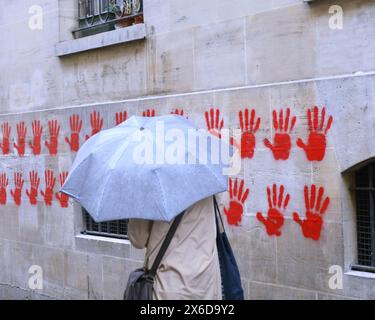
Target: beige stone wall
[262,55]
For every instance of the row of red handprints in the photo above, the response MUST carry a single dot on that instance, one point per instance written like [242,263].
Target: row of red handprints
[32,193]
[278,199]
[283,124]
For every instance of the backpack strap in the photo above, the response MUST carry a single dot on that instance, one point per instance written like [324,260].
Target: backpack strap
[165,244]
[217,213]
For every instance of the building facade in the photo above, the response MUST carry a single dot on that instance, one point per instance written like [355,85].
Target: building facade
[296,77]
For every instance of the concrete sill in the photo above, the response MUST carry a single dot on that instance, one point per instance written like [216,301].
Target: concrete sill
[101,40]
[361,274]
[104,239]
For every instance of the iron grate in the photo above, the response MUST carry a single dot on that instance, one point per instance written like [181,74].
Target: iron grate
[364,186]
[113,229]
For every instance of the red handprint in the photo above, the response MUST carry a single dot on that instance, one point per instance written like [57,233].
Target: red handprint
[213,122]
[316,143]
[237,200]
[149,113]
[75,128]
[5,128]
[312,225]
[37,136]
[62,197]
[3,188]
[96,122]
[121,117]
[179,112]
[18,185]
[54,130]
[275,217]
[281,140]
[50,181]
[248,127]
[21,136]
[34,185]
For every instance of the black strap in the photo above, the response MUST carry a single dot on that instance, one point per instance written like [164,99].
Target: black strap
[165,244]
[217,213]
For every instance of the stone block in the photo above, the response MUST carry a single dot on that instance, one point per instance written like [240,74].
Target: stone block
[219,55]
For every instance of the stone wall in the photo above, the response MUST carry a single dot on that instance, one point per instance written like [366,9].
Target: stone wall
[262,55]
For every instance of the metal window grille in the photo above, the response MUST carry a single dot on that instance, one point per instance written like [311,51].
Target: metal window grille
[113,229]
[365,205]
[97,16]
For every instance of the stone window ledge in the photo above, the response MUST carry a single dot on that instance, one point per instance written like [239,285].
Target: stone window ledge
[101,40]
[361,274]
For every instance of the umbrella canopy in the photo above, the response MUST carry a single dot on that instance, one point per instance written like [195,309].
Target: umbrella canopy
[146,168]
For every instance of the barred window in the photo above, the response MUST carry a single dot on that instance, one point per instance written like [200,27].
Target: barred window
[97,16]
[112,229]
[365,204]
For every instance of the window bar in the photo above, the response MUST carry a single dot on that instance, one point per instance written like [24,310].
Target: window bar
[372,213]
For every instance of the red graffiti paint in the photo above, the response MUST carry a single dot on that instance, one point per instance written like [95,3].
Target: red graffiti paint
[249,126]
[96,122]
[5,146]
[62,197]
[214,122]
[53,143]
[277,207]
[50,181]
[237,199]
[75,123]
[281,140]
[315,209]
[121,117]
[21,138]
[149,113]
[316,144]
[3,188]
[34,186]
[179,112]
[18,185]
[37,136]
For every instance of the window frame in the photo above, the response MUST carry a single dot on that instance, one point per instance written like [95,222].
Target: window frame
[370,188]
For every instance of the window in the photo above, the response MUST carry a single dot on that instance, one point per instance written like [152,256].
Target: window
[365,207]
[113,229]
[96,16]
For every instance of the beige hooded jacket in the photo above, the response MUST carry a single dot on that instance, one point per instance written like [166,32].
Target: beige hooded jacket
[190,267]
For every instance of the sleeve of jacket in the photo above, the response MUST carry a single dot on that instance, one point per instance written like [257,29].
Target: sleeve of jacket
[139,232]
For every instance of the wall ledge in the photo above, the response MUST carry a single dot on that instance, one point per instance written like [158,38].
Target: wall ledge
[101,40]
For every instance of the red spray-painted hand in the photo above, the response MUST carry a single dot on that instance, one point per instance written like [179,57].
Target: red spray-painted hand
[62,197]
[75,123]
[214,122]
[121,117]
[18,185]
[50,181]
[249,126]
[237,200]
[3,188]
[281,140]
[316,144]
[37,136]
[275,216]
[149,113]
[312,225]
[34,185]
[21,138]
[179,112]
[54,130]
[96,122]
[6,129]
